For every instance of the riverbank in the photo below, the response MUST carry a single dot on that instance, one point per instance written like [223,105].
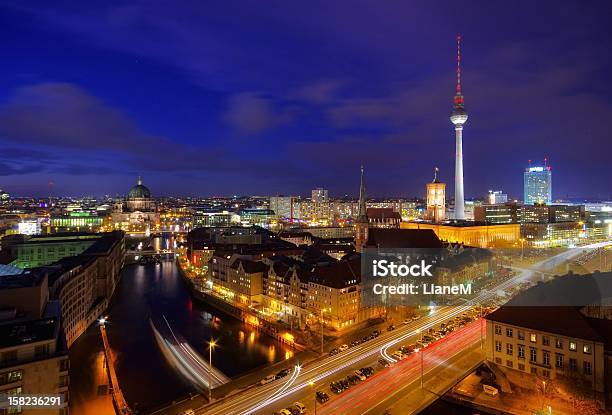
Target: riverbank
[147,379]
[242,313]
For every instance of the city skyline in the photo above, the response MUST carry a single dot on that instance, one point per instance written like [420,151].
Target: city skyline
[202,111]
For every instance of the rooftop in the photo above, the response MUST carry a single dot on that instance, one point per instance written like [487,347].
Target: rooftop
[20,333]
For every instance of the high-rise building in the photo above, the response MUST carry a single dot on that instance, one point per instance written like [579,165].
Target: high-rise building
[436,199]
[282,206]
[361,223]
[458,117]
[320,195]
[537,184]
[496,197]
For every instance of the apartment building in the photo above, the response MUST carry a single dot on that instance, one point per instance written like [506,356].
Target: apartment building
[33,351]
[551,343]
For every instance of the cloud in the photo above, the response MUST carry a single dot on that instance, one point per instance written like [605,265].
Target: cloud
[68,122]
[250,113]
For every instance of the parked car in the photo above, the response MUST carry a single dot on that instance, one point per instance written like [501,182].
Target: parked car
[285,411]
[336,387]
[334,352]
[322,397]
[360,375]
[301,407]
[383,362]
[391,327]
[397,355]
[343,347]
[267,379]
[282,373]
[367,371]
[376,333]
[353,379]
[188,412]
[407,321]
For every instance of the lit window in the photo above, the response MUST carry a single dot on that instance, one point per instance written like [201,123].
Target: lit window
[572,346]
[533,337]
[586,349]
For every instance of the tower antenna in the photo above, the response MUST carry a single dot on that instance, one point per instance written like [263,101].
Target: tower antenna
[458,96]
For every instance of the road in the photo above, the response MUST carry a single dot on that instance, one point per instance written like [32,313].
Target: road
[265,399]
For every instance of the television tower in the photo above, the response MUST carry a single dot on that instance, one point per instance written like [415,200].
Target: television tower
[458,117]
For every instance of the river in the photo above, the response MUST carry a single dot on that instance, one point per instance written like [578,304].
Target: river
[146,378]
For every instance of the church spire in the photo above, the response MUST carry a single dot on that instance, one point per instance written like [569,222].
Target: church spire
[139,181]
[362,216]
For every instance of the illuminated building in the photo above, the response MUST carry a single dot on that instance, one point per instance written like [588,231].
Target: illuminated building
[383,218]
[4,197]
[320,206]
[361,222]
[436,199]
[136,213]
[499,213]
[76,221]
[205,219]
[497,197]
[283,206]
[260,217]
[320,195]
[472,234]
[537,185]
[538,342]
[458,117]
[29,227]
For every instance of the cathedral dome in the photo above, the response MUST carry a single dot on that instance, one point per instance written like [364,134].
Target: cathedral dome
[139,191]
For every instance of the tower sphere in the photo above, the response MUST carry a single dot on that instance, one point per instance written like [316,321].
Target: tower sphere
[459,116]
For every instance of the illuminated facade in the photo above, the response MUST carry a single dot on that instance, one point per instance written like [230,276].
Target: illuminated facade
[537,185]
[436,200]
[482,236]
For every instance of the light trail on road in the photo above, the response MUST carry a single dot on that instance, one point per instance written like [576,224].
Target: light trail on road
[254,400]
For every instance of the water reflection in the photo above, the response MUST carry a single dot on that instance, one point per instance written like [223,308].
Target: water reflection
[153,290]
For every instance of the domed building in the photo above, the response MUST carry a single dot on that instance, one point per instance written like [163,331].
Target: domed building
[139,198]
[136,213]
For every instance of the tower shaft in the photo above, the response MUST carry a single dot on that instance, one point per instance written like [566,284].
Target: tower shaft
[459,198]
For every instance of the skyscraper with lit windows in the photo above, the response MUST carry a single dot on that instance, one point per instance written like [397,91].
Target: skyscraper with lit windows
[537,185]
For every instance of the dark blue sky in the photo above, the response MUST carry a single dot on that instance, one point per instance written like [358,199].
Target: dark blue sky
[252,97]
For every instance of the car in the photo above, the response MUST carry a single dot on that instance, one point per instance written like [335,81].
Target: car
[365,339]
[383,362]
[416,317]
[301,407]
[322,397]
[282,373]
[353,379]
[421,344]
[285,411]
[367,371]
[376,333]
[360,375]
[188,412]
[397,355]
[343,347]
[336,387]
[267,379]
[355,343]
[334,352]
[345,383]
[391,327]
[407,321]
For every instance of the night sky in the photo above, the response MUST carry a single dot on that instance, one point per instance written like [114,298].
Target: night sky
[265,97]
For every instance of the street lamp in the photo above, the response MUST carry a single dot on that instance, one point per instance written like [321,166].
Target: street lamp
[211,346]
[312,384]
